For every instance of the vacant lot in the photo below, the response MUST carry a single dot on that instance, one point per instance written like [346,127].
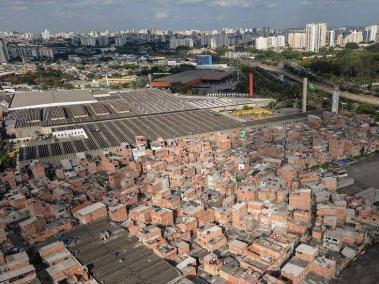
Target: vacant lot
[363,271]
[366,269]
[366,174]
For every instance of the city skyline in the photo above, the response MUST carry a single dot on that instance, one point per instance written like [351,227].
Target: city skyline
[84,15]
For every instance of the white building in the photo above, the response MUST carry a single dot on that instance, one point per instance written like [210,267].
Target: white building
[46,35]
[371,31]
[281,41]
[261,43]
[332,38]
[315,36]
[355,36]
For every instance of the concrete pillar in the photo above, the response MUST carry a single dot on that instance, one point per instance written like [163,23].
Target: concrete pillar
[336,100]
[251,85]
[305,94]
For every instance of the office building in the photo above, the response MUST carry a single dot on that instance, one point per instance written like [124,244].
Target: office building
[315,36]
[4,55]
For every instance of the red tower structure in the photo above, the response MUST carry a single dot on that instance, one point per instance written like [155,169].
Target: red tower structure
[251,85]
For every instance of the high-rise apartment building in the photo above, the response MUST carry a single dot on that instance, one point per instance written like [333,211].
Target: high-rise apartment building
[88,41]
[120,41]
[355,37]
[332,38]
[297,40]
[261,43]
[103,41]
[46,34]
[315,36]
[371,33]
[340,41]
[177,42]
[4,55]
[220,40]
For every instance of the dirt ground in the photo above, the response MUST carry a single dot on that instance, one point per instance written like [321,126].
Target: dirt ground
[365,270]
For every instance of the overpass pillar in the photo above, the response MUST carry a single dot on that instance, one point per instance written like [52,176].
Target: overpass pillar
[305,94]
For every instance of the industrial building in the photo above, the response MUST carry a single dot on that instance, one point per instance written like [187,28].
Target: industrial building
[54,125]
[119,256]
[69,129]
[204,60]
[192,78]
[26,100]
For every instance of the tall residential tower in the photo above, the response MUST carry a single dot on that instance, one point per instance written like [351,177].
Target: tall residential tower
[4,55]
[316,36]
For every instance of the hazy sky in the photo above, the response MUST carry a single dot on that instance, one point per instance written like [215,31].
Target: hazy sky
[83,15]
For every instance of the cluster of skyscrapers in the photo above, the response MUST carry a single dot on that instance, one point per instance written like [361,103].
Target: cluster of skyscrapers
[8,53]
[317,35]
[314,37]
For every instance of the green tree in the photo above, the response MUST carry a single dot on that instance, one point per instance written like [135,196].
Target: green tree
[68,86]
[352,45]
[272,105]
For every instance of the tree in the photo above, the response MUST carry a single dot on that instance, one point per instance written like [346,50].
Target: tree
[351,45]
[43,86]
[272,105]
[68,86]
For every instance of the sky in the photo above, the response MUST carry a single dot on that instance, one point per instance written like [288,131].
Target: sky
[101,15]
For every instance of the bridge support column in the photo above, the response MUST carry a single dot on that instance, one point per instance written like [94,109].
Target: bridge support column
[305,94]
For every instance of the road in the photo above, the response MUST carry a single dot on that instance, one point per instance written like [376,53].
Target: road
[322,87]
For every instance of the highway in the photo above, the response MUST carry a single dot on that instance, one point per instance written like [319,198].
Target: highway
[320,86]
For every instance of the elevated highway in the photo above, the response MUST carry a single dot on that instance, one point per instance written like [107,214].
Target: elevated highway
[360,98]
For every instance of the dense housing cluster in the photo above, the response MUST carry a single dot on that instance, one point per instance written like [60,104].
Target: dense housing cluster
[227,206]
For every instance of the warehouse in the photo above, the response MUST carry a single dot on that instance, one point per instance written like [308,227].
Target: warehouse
[91,137]
[28,100]
[35,118]
[192,78]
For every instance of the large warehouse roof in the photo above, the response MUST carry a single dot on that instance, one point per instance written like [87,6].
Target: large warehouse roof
[188,77]
[25,100]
